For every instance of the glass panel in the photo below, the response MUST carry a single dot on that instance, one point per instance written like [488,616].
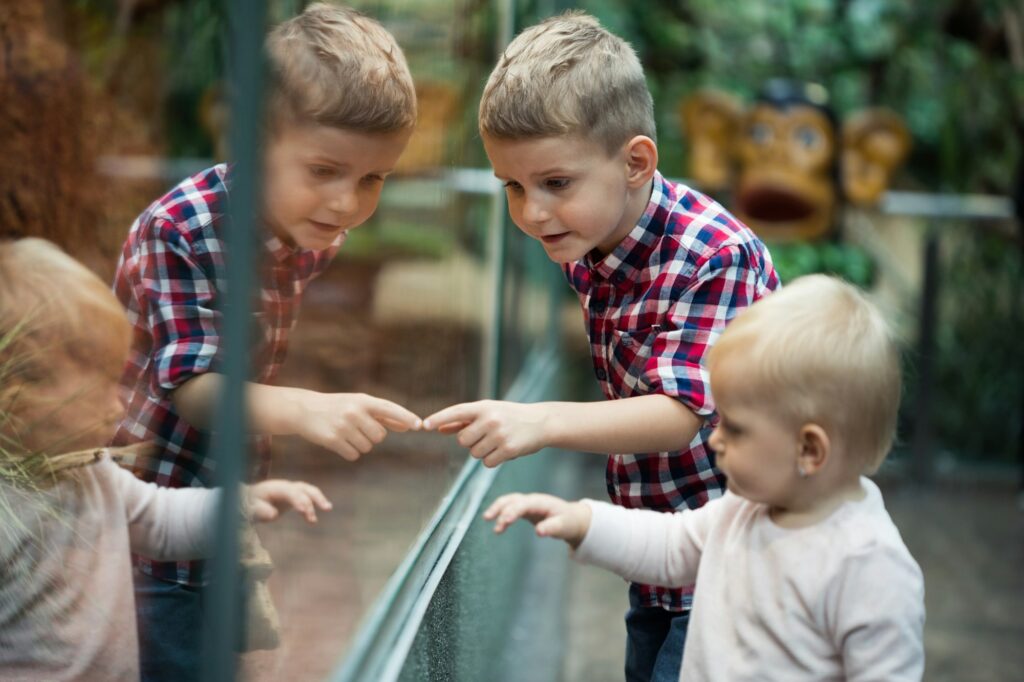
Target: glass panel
[111,104]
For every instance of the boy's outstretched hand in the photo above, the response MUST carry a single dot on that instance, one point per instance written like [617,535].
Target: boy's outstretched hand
[350,424]
[266,499]
[552,516]
[494,431]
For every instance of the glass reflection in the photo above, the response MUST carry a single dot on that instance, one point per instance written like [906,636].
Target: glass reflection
[110,104]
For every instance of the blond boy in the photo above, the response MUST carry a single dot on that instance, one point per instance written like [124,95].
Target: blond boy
[568,125]
[341,107]
[67,522]
[801,574]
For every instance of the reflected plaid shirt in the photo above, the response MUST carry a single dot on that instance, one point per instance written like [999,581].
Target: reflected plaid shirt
[170,279]
[652,308]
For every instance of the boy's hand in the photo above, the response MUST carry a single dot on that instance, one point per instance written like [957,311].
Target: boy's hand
[350,424]
[553,516]
[494,431]
[266,499]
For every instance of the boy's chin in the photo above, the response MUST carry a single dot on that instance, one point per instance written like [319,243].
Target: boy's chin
[314,242]
[563,256]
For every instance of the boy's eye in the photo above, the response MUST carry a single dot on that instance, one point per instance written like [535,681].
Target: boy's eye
[513,186]
[373,179]
[557,183]
[321,171]
[731,428]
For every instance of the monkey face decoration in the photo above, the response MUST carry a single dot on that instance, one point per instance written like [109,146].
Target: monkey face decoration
[785,159]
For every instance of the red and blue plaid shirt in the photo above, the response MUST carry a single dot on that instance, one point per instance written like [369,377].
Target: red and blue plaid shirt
[171,279]
[653,308]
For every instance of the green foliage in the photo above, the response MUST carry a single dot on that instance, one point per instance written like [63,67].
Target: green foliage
[795,259]
[979,403]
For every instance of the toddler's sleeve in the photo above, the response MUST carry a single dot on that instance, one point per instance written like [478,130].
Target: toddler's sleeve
[646,546]
[180,295]
[167,524]
[723,285]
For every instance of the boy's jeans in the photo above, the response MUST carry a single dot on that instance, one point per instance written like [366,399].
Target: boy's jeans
[654,641]
[170,622]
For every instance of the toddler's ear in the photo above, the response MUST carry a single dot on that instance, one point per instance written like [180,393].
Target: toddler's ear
[815,449]
[641,160]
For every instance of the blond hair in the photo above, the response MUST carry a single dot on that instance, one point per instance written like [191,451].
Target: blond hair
[336,67]
[824,354]
[51,304]
[568,76]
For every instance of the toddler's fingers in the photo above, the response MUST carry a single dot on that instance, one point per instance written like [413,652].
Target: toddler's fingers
[496,506]
[262,511]
[281,493]
[553,526]
[317,495]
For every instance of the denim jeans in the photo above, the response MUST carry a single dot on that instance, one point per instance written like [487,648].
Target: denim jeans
[654,641]
[170,622]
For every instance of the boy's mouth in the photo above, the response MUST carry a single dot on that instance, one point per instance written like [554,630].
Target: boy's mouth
[553,238]
[324,227]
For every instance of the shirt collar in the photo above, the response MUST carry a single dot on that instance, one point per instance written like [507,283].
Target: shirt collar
[283,253]
[623,265]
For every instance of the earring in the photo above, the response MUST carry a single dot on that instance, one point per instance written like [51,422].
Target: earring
[801,471]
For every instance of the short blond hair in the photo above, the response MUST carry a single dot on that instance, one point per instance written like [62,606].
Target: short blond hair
[51,304]
[824,354]
[568,76]
[334,66]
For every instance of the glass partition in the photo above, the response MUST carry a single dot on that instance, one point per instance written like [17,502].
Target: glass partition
[112,104]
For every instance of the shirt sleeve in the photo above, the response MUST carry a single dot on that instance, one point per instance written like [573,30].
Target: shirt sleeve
[723,285]
[646,546]
[167,524]
[179,296]
[877,606]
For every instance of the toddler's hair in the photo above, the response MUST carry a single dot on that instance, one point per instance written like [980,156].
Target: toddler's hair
[50,304]
[336,67]
[818,351]
[568,76]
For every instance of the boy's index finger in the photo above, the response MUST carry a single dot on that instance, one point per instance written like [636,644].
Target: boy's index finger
[394,416]
[451,418]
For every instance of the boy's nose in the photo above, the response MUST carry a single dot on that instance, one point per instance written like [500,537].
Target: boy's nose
[533,212]
[344,202]
[715,440]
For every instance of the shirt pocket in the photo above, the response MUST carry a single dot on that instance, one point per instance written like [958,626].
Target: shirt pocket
[627,358]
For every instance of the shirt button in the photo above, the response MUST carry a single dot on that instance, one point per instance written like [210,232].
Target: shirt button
[619,277]
[599,306]
[601,374]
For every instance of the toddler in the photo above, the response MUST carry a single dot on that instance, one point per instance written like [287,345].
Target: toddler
[800,573]
[69,516]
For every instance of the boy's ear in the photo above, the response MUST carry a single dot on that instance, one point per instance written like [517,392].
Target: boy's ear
[641,160]
[815,449]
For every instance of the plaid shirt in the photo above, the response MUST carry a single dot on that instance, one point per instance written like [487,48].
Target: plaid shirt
[652,309]
[170,278]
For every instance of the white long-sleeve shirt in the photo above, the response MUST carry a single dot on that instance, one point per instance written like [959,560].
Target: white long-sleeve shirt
[67,605]
[840,600]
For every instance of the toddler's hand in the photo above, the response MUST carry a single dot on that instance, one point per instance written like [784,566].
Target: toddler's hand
[552,516]
[494,431]
[350,424]
[267,498]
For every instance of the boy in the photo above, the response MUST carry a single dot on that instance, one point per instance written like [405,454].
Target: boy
[341,107]
[68,521]
[801,574]
[568,125]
